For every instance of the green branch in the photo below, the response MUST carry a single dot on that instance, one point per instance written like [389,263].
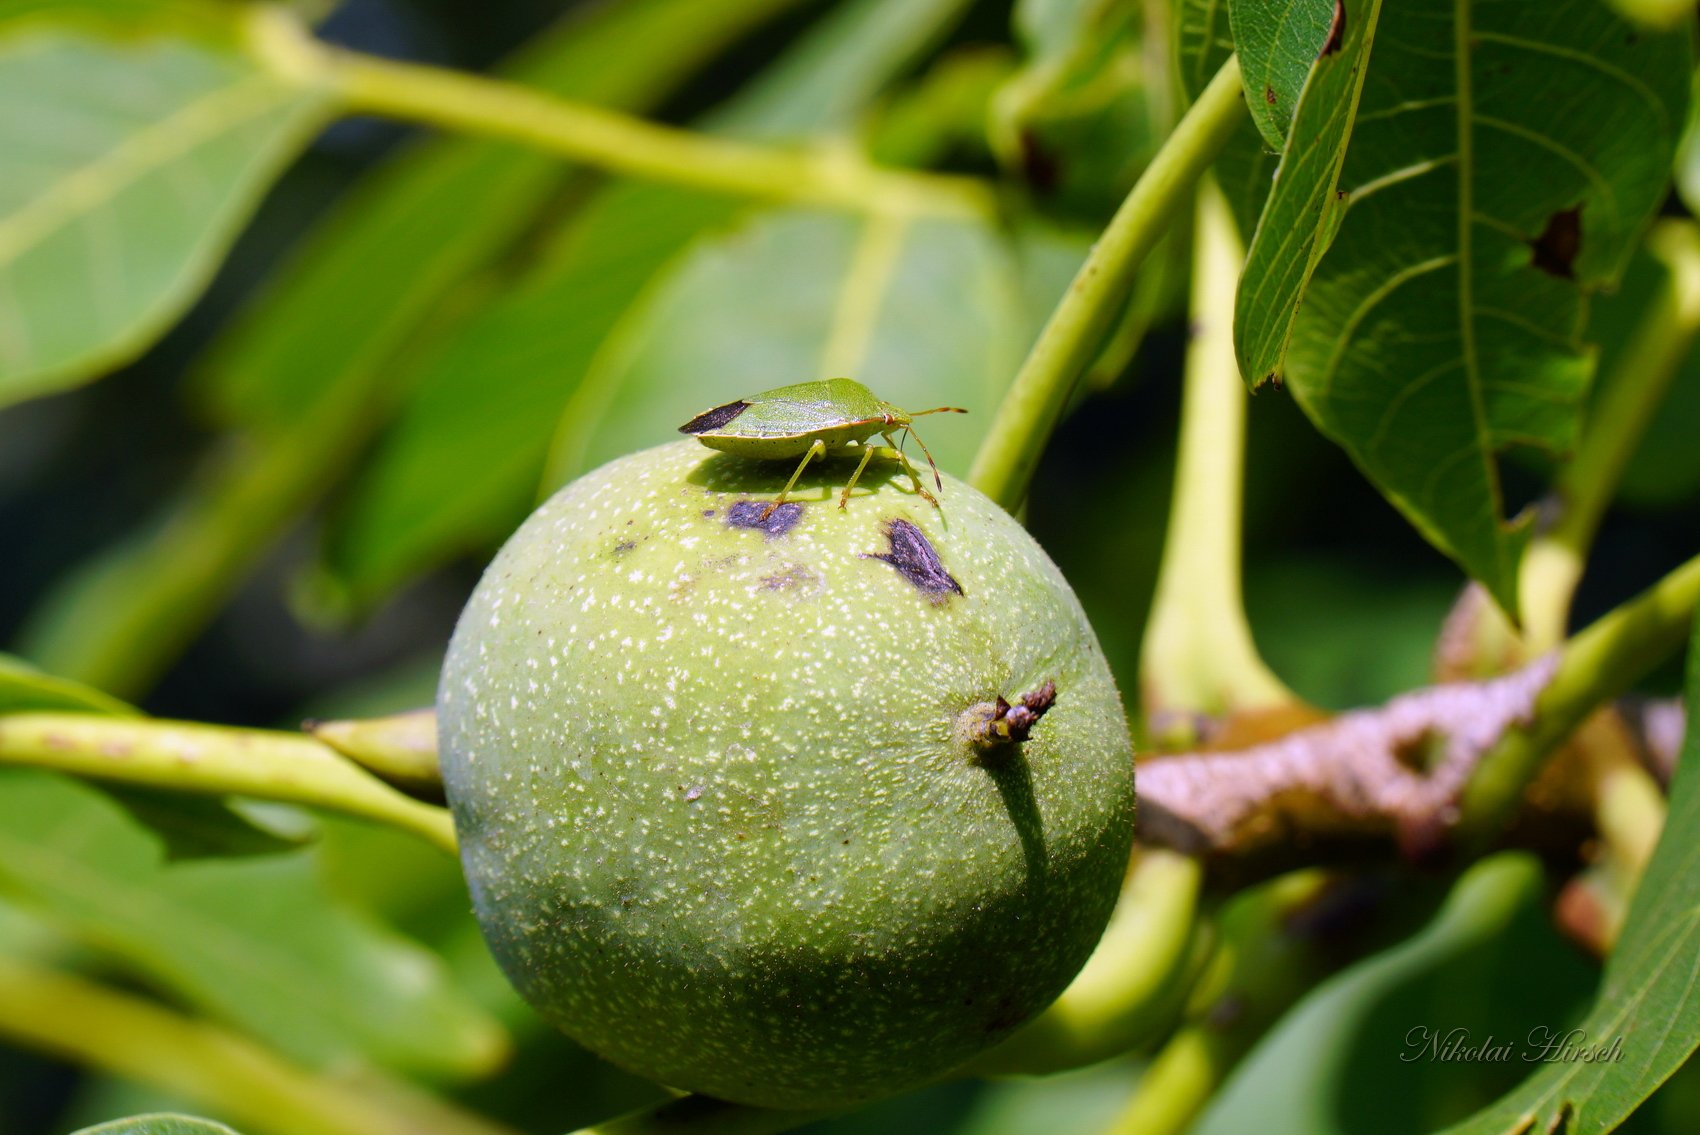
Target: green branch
[1198,654]
[1264,962]
[216,760]
[1555,560]
[607,139]
[1076,330]
[75,1019]
[1597,665]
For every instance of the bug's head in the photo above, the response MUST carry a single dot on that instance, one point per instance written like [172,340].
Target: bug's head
[909,431]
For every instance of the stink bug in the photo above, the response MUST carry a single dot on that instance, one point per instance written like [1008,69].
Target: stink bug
[813,419]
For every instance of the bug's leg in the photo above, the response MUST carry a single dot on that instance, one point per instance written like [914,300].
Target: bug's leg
[818,449]
[914,478]
[867,455]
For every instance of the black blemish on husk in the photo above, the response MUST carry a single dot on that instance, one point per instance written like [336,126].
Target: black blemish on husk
[916,561]
[623,547]
[713,419]
[1555,250]
[755,514]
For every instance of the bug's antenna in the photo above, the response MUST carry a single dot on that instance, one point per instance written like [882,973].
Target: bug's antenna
[910,430]
[937,410]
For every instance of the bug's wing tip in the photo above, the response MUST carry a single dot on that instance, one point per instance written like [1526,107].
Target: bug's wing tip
[714,419]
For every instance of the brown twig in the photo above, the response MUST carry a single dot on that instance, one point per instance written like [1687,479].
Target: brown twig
[1394,772]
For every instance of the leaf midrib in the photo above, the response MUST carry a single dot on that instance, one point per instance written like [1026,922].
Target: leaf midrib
[1462,60]
[98,182]
[217,941]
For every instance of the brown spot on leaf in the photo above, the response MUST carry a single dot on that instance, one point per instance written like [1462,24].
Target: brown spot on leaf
[710,420]
[1038,165]
[1554,251]
[1269,95]
[1336,30]
[916,561]
[774,522]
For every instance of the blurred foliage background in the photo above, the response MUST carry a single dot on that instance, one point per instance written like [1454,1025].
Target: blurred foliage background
[318,460]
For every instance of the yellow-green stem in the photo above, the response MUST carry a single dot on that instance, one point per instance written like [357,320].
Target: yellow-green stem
[212,759]
[1554,562]
[832,177]
[1198,655]
[1065,348]
[75,1019]
[1598,664]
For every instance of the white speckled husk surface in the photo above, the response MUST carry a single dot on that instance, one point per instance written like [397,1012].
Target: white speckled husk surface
[714,814]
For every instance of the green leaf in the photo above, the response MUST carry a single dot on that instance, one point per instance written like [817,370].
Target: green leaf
[1244,169]
[1279,41]
[1650,992]
[1306,1077]
[460,467]
[823,84]
[130,166]
[377,270]
[197,827]
[1082,116]
[158,1125]
[316,360]
[1204,39]
[1303,208]
[1664,469]
[23,689]
[1486,194]
[255,942]
[462,464]
[926,312]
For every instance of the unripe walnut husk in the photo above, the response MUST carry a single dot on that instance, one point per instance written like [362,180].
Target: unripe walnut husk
[740,807]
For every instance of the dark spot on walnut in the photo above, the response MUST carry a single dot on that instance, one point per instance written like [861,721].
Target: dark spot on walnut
[757,514]
[916,561]
[794,577]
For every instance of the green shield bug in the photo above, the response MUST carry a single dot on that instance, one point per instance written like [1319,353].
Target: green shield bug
[810,420]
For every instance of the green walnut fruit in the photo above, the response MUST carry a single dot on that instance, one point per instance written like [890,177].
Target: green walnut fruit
[740,807]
